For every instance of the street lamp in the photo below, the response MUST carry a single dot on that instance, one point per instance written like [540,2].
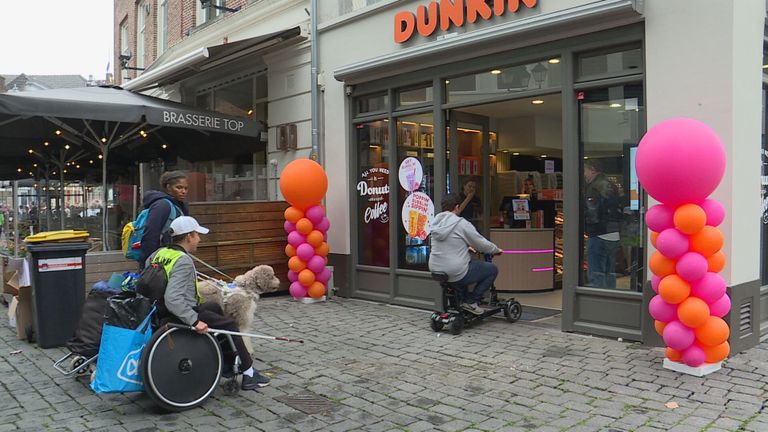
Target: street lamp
[539,74]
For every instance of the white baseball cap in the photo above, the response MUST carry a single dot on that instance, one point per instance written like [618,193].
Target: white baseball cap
[186,224]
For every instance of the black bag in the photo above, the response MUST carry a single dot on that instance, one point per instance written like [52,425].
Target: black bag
[87,336]
[127,312]
[151,284]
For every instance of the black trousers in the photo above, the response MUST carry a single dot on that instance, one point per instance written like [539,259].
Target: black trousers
[211,314]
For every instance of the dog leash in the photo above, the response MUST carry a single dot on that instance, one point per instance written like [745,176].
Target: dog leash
[211,267]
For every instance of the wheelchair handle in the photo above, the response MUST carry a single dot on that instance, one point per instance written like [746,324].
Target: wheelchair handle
[241,334]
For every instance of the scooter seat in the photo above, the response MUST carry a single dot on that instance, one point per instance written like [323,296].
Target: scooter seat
[440,277]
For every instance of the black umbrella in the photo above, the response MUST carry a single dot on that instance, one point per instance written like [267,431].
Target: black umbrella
[110,122]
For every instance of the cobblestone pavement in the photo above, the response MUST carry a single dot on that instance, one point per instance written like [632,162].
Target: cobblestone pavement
[383,369]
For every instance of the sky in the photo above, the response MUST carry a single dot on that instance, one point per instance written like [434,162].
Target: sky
[56,37]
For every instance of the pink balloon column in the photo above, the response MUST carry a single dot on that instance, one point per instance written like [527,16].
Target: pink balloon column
[680,162]
[303,184]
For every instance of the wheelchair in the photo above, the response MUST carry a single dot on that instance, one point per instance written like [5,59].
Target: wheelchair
[456,318]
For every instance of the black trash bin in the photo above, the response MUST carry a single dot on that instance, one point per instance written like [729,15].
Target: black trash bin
[58,290]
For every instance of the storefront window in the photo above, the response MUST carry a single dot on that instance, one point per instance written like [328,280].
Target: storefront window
[611,124]
[372,191]
[764,180]
[411,97]
[372,104]
[416,189]
[610,62]
[542,74]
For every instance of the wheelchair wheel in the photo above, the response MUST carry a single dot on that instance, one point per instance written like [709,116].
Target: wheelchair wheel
[513,311]
[181,368]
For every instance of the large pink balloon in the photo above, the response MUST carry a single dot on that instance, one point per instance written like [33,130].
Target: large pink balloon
[672,243]
[721,307]
[660,217]
[680,160]
[295,239]
[315,214]
[316,264]
[297,290]
[655,281]
[714,210]
[694,356]
[305,251]
[661,310]
[324,276]
[292,276]
[710,288]
[289,227]
[678,336]
[324,225]
[692,266]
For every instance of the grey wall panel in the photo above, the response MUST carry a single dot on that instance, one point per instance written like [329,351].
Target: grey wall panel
[341,273]
[744,319]
[607,313]
[371,285]
[419,292]
[763,313]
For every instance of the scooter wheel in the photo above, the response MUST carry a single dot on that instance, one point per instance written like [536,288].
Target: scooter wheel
[436,323]
[457,324]
[513,311]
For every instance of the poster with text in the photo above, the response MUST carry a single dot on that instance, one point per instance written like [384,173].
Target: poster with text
[410,174]
[418,214]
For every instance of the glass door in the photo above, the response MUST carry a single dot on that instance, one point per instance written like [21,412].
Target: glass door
[469,172]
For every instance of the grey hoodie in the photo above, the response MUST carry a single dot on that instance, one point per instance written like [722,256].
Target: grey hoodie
[451,236]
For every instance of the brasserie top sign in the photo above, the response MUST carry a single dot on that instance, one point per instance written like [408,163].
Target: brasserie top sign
[444,13]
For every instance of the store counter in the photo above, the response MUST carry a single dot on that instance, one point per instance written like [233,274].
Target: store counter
[529,259]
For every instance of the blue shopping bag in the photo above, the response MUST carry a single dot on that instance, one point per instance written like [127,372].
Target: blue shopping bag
[119,363]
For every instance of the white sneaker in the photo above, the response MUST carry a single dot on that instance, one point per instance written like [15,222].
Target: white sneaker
[473,307]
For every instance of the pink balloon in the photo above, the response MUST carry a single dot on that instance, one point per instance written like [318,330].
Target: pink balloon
[289,227]
[721,307]
[678,336]
[295,239]
[297,290]
[655,280]
[324,225]
[315,214]
[305,251]
[661,310]
[316,264]
[659,218]
[659,157]
[324,276]
[694,356]
[672,243]
[692,266]
[710,288]
[292,276]
[714,210]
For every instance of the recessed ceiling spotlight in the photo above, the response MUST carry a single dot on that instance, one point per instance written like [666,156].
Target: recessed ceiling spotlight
[537,101]
[496,71]
[553,61]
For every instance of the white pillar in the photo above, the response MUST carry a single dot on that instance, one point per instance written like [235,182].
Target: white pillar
[703,60]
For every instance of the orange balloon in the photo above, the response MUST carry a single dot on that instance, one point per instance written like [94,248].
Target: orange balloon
[659,327]
[707,241]
[690,218]
[654,236]
[290,251]
[674,354]
[717,353]
[296,264]
[303,183]
[304,226]
[660,265]
[674,289]
[693,312]
[292,214]
[315,238]
[716,262]
[713,332]
[306,277]
[316,290]
[322,250]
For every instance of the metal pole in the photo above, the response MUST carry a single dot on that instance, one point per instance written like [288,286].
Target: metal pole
[61,195]
[315,154]
[104,241]
[15,218]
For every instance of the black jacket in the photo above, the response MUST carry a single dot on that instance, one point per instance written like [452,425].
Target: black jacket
[159,211]
[602,211]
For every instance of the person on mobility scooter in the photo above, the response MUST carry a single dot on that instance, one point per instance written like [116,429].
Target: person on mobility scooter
[181,302]
[453,239]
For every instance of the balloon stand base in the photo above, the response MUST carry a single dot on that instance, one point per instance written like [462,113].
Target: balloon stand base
[704,369]
[309,300]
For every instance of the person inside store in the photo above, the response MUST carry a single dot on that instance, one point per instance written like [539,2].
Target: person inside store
[164,206]
[529,188]
[602,222]
[453,238]
[181,301]
[470,206]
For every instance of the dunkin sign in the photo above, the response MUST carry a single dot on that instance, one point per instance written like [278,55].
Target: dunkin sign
[445,13]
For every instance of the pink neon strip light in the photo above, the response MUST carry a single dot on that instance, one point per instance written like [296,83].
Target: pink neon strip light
[527,251]
[541,269]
